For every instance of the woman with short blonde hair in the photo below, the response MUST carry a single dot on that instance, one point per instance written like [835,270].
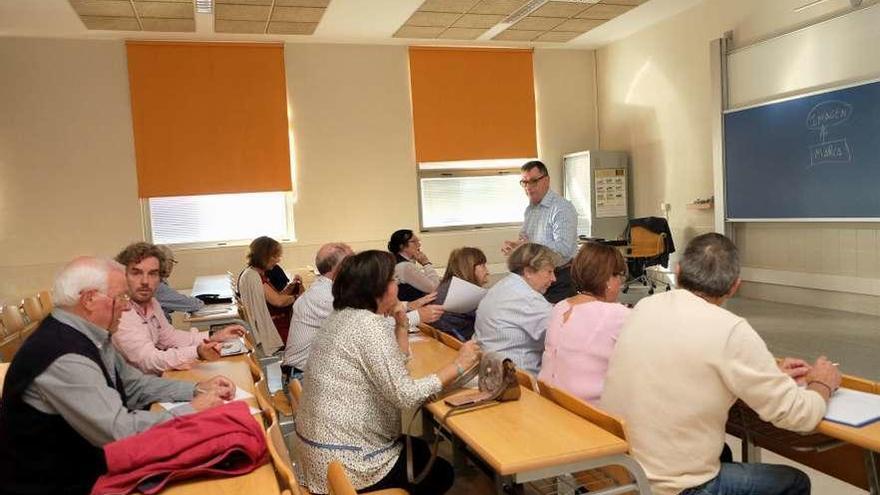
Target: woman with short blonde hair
[513,317]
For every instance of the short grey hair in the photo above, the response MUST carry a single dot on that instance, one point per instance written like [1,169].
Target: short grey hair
[710,265]
[80,275]
[330,255]
[531,255]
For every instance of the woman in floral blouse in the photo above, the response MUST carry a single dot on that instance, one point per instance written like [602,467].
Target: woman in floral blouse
[357,384]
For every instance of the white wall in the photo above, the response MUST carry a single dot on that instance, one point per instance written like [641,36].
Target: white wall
[655,102]
[67,173]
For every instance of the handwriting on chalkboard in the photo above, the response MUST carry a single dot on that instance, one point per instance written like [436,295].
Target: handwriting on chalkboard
[821,117]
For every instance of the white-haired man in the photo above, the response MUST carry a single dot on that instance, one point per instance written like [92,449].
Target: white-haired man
[68,393]
[316,304]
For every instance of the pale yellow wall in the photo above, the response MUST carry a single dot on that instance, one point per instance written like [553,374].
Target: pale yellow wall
[654,101]
[67,161]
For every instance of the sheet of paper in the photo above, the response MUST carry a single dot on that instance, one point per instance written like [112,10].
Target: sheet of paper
[463,297]
[240,394]
[853,408]
[171,405]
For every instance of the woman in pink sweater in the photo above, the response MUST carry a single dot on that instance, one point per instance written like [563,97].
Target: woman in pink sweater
[583,328]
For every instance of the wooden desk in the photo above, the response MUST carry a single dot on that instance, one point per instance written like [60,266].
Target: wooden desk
[524,440]
[854,458]
[262,480]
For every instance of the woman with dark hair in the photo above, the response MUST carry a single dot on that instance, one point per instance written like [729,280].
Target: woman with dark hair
[468,264]
[268,309]
[351,407]
[414,271]
[584,328]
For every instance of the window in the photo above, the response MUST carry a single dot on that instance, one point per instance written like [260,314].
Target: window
[219,219]
[455,195]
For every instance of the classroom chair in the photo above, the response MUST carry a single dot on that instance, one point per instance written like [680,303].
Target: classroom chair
[295,390]
[646,248]
[33,309]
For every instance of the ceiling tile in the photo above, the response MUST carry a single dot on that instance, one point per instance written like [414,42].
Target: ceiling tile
[462,33]
[601,11]
[111,23]
[169,25]
[557,36]
[478,21]
[579,25]
[537,23]
[418,32]
[439,19]
[276,27]
[242,12]
[103,8]
[497,7]
[302,3]
[243,2]
[297,14]
[513,35]
[633,3]
[248,27]
[164,9]
[558,9]
[457,6]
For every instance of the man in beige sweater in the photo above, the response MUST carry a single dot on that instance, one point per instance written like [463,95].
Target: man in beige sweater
[682,360]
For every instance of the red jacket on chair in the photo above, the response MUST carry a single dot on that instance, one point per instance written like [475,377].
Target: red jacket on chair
[221,441]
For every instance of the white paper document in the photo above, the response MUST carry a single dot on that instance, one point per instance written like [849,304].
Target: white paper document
[463,297]
[853,408]
[240,394]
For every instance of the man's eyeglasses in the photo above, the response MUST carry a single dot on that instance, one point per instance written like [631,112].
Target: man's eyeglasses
[531,182]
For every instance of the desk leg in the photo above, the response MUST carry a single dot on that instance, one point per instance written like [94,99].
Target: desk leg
[872,467]
[750,451]
[505,485]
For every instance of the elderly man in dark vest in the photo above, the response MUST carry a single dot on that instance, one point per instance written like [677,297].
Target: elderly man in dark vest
[68,393]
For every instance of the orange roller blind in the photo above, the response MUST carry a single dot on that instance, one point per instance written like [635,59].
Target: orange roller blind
[209,118]
[472,104]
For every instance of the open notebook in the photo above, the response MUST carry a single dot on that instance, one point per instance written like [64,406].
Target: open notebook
[853,408]
[239,395]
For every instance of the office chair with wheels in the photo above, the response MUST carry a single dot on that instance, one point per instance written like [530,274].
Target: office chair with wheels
[649,246]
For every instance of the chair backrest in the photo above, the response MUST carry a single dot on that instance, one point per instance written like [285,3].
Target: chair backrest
[4,367]
[261,391]
[12,318]
[281,459]
[46,301]
[295,388]
[254,365]
[33,309]
[527,380]
[449,340]
[337,480]
[645,244]
[593,414]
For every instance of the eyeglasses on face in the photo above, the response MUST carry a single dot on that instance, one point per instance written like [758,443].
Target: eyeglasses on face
[531,182]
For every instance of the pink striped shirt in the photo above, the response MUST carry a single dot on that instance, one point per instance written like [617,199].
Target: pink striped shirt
[151,344]
[577,349]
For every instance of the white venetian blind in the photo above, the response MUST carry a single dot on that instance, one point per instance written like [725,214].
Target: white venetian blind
[470,201]
[219,218]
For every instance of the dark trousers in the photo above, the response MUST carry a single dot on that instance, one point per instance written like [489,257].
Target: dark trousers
[438,481]
[563,287]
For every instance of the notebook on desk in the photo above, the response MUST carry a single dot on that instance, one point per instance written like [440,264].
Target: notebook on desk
[853,408]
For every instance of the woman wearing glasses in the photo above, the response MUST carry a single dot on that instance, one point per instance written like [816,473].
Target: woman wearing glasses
[584,328]
[415,274]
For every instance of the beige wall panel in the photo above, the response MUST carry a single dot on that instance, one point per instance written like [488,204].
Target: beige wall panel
[67,175]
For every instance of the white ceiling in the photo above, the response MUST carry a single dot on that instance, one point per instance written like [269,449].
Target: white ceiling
[345,21]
